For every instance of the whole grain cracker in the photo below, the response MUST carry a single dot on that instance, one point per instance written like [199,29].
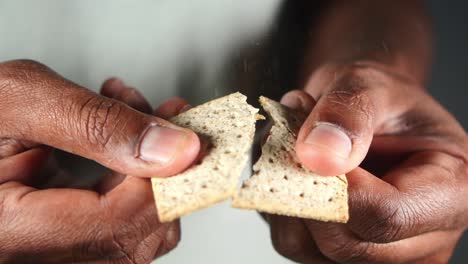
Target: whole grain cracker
[227,125]
[281,185]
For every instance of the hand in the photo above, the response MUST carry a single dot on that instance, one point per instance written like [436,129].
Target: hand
[40,110]
[407,200]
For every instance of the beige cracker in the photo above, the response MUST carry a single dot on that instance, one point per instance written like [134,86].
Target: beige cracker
[227,125]
[281,185]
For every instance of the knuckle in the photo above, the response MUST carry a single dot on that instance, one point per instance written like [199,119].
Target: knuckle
[288,247]
[124,239]
[171,240]
[22,71]
[352,93]
[168,239]
[27,64]
[19,64]
[386,223]
[349,252]
[20,76]
[10,147]
[171,244]
[166,246]
[99,118]
[351,96]
[98,246]
[104,239]
[99,242]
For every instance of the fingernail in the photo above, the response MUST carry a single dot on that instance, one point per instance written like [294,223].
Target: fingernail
[161,144]
[292,101]
[330,138]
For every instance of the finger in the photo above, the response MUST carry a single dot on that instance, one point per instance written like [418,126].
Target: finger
[170,240]
[79,121]
[407,204]
[337,243]
[10,147]
[298,100]
[337,134]
[112,87]
[430,185]
[156,244]
[171,108]
[109,182]
[24,166]
[77,224]
[291,239]
[115,88]
[442,256]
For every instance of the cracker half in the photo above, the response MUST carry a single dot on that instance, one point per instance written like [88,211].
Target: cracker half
[281,185]
[227,126]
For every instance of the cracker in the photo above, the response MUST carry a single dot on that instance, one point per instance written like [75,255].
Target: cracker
[227,126]
[281,185]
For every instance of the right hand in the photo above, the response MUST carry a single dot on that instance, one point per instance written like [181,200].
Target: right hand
[405,199]
[39,109]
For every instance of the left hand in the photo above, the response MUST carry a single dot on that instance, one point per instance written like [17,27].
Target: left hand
[106,222]
[408,200]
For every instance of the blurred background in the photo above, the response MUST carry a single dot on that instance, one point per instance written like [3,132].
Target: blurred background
[200,50]
[449,80]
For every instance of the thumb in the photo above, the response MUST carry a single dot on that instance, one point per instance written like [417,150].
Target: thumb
[336,136]
[40,106]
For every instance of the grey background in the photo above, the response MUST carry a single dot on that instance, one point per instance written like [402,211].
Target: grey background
[449,83]
[195,49]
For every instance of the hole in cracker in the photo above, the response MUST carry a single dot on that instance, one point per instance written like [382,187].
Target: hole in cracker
[330,199]
[285,177]
[270,160]
[272,190]
[239,136]
[187,123]
[204,186]
[301,195]
[204,128]
[315,182]
[244,186]
[215,168]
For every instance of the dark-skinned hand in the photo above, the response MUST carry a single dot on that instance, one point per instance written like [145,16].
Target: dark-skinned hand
[408,197]
[116,221]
